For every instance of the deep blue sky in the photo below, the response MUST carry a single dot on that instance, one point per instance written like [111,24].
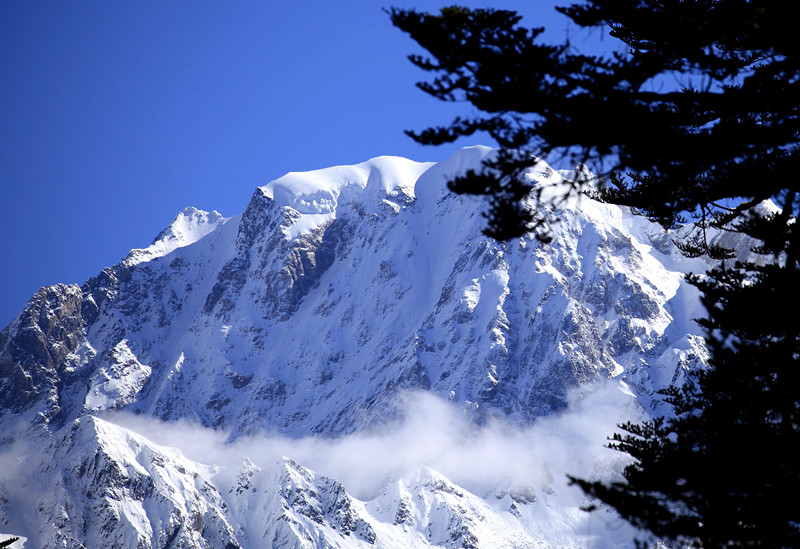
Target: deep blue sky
[117,115]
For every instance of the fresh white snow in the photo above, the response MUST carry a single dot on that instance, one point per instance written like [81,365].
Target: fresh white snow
[350,362]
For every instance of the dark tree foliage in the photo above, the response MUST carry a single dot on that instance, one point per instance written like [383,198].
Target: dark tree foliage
[675,150]
[723,471]
[696,119]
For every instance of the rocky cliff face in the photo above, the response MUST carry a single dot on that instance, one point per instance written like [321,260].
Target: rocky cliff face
[312,313]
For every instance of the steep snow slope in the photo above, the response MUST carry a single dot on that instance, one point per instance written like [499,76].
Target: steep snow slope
[313,313]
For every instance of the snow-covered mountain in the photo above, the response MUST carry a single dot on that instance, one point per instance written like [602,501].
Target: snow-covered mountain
[362,366]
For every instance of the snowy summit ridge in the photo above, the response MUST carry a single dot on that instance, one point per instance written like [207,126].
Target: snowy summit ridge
[344,310]
[187,228]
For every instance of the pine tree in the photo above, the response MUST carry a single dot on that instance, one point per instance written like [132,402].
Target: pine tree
[694,150]
[721,470]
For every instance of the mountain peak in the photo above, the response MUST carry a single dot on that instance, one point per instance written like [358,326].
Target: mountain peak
[188,227]
[315,313]
[317,195]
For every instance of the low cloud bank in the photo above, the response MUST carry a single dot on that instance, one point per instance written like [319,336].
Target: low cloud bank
[438,434]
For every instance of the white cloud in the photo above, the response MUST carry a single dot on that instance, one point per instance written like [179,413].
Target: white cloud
[434,433]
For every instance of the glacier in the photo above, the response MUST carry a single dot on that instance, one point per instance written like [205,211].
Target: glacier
[347,363]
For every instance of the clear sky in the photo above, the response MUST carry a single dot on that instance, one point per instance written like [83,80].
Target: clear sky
[117,115]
